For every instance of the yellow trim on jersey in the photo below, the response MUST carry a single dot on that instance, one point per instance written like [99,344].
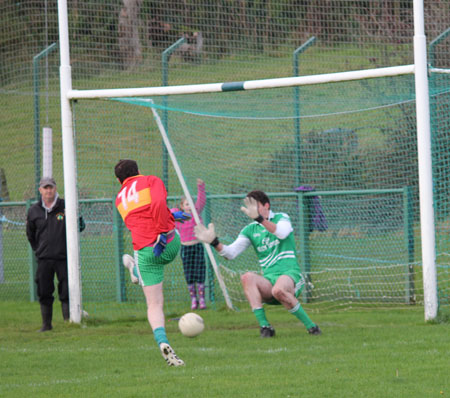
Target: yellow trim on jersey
[144,199]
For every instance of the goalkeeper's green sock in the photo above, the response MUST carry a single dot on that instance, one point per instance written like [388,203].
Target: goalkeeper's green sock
[300,314]
[160,335]
[261,317]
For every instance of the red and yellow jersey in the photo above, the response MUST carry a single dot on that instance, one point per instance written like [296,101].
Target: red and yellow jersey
[142,203]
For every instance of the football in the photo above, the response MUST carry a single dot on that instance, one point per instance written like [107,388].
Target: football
[191,324]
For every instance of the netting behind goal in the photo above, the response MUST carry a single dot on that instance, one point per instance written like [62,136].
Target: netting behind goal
[356,253]
[340,159]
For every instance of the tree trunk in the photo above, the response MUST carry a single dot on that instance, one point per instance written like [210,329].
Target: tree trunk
[129,42]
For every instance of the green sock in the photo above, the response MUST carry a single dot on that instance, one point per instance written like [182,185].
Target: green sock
[261,317]
[160,335]
[300,314]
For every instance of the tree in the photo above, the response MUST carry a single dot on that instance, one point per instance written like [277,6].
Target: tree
[129,42]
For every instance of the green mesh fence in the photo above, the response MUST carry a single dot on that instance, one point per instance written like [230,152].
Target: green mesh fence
[357,150]
[440,127]
[16,265]
[337,137]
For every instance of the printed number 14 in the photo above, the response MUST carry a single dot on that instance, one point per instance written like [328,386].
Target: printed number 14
[131,196]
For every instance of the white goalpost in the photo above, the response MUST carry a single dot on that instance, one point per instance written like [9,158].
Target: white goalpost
[419,69]
[427,223]
[69,165]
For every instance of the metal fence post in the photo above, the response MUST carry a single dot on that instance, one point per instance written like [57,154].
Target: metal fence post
[37,124]
[305,256]
[207,220]
[165,119]
[409,243]
[33,266]
[295,68]
[118,253]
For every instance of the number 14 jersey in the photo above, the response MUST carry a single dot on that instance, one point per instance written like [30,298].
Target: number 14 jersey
[142,203]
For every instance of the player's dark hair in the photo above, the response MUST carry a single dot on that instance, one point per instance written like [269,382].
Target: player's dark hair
[260,196]
[126,168]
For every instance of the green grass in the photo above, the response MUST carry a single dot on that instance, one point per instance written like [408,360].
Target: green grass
[360,354]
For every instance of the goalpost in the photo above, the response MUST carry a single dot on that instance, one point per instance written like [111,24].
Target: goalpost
[419,69]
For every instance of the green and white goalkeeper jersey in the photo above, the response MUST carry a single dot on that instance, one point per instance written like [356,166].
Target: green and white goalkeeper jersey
[274,254]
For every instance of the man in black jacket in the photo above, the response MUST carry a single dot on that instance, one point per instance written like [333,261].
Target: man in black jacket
[46,232]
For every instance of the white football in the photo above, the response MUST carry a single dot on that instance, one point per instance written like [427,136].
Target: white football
[191,324]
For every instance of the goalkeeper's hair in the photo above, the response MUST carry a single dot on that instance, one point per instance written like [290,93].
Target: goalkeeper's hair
[260,196]
[126,168]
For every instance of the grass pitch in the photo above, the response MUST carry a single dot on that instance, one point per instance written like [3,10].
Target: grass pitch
[375,353]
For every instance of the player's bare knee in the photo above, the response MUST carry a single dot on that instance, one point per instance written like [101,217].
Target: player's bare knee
[246,278]
[279,294]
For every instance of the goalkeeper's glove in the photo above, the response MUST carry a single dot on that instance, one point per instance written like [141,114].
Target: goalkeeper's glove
[206,235]
[251,209]
[160,245]
[181,216]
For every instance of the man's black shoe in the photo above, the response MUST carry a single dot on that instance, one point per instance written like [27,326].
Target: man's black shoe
[267,331]
[315,330]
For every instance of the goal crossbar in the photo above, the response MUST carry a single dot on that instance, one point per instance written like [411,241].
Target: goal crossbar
[244,85]
[440,70]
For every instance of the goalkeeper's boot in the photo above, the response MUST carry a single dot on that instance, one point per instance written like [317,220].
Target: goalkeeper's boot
[169,355]
[267,331]
[128,263]
[315,330]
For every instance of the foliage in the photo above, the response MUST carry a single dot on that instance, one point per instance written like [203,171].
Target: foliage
[256,26]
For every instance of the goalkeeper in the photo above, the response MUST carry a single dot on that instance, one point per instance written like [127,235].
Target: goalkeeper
[142,203]
[281,282]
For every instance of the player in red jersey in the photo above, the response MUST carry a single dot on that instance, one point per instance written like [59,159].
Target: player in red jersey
[142,203]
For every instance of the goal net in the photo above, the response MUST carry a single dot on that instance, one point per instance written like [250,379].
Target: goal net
[356,136]
[339,158]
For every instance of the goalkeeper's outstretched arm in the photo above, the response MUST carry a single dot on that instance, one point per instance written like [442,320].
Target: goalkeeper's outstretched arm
[208,235]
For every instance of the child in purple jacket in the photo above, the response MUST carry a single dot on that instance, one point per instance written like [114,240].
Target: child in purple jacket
[192,252]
